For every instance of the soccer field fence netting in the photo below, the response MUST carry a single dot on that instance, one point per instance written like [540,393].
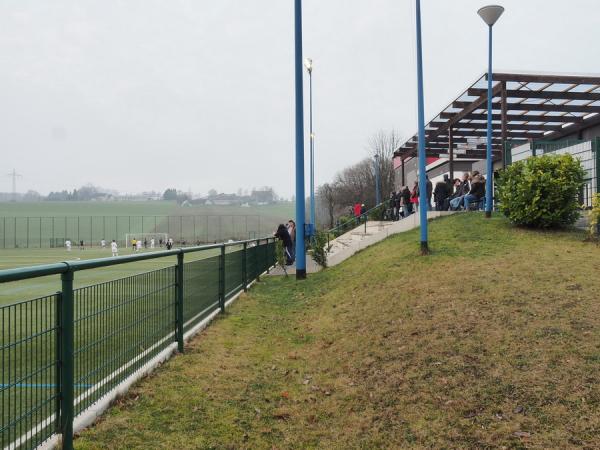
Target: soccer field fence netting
[66,355]
[52,232]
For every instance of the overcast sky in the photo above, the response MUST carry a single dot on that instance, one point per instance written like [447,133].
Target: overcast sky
[145,94]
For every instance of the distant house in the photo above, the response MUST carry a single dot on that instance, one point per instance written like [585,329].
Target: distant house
[263,197]
[223,200]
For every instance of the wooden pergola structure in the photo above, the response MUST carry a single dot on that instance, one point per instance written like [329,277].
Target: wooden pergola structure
[525,107]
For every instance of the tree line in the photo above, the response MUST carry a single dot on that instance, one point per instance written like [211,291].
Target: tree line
[356,183]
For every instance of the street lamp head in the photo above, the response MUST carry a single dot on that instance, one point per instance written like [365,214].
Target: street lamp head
[490,14]
[308,63]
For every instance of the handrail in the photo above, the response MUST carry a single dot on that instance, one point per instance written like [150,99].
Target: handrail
[23,273]
[357,219]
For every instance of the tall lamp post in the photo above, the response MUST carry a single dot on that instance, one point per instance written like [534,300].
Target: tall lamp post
[490,14]
[308,63]
[300,205]
[377,182]
[421,119]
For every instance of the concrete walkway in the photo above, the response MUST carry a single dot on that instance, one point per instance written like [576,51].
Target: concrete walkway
[357,239]
[346,245]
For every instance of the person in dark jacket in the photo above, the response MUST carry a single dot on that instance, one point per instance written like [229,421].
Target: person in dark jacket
[284,236]
[429,185]
[405,201]
[464,189]
[441,193]
[477,192]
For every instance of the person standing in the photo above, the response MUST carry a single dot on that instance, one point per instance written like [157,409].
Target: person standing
[114,248]
[405,201]
[291,227]
[414,196]
[68,245]
[429,190]
[152,243]
[103,244]
[357,212]
[441,193]
[284,236]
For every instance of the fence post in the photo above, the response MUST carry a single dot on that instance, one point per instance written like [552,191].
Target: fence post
[57,357]
[269,256]
[222,279]
[179,303]
[244,268]
[258,271]
[66,360]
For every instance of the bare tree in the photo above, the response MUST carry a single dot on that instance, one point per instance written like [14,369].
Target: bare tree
[356,183]
[384,144]
[326,195]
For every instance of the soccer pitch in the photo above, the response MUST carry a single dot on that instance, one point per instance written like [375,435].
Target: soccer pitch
[29,289]
[49,224]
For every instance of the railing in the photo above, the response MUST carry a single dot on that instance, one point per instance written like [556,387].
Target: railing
[62,353]
[353,222]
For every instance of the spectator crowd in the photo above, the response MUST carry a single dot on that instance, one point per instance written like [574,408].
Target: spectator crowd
[466,194]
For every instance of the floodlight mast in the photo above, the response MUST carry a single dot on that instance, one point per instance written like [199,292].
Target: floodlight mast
[490,15]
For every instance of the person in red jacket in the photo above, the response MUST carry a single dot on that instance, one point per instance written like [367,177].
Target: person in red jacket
[357,208]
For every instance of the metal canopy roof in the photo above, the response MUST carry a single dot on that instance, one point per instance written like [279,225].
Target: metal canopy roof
[525,106]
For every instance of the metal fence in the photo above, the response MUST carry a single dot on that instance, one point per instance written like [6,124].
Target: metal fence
[53,231]
[62,353]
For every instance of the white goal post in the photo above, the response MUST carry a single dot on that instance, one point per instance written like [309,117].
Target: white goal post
[147,237]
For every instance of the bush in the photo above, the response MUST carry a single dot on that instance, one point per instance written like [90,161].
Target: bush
[319,250]
[541,192]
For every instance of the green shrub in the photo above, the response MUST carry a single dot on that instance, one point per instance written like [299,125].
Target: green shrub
[595,217]
[280,255]
[319,250]
[541,192]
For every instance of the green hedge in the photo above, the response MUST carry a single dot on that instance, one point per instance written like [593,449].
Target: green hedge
[541,192]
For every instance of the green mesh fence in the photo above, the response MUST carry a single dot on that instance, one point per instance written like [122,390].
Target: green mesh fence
[29,392]
[52,232]
[80,344]
[201,290]
[119,326]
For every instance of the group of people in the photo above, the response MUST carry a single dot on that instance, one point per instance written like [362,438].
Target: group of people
[136,244]
[448,195]
[287,235]
[465,193]
[406,201]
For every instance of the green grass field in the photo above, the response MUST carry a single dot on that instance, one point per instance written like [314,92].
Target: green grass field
[492,341]
[29,289]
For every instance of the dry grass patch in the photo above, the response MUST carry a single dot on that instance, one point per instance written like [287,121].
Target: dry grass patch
[492,341]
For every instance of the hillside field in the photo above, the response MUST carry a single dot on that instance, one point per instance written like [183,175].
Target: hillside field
[492,341]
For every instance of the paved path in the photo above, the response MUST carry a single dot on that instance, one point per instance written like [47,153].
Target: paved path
[346,245]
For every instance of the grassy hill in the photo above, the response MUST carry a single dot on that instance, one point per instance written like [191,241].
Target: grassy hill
[491,341]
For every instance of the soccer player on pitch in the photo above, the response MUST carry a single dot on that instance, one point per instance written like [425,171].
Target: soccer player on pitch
[114,248]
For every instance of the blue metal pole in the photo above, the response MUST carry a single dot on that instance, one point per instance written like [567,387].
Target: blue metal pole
[312,160]
[300,201]
[489,194]
[377,188]
[421,118]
